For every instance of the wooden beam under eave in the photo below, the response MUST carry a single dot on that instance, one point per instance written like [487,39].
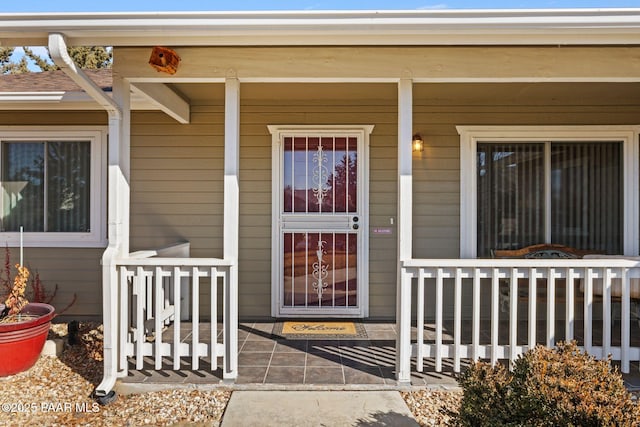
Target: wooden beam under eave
[384,64]
[166,99]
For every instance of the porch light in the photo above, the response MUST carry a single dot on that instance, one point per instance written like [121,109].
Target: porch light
[417,143]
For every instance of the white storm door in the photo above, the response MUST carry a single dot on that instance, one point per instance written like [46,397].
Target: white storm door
[320,245]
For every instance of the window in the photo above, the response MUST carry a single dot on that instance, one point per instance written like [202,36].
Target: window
[573,186]
[53,186]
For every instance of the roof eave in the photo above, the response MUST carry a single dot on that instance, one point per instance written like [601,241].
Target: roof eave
[505,27]
[62,100]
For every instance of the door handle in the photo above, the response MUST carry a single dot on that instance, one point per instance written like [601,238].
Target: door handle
[355,226]
[355,219]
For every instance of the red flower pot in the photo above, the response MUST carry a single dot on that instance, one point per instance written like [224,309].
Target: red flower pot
[21,342]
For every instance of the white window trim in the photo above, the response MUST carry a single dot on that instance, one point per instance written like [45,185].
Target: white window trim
[97,237]
[471,135]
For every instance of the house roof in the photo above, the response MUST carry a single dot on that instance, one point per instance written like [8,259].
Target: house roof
[417,27]
[51,81]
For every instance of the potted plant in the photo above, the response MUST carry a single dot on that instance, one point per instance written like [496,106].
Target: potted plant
[24,327]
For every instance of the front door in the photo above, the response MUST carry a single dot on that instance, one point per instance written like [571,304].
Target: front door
[320,228]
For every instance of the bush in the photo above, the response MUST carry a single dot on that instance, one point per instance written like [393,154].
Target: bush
[548,387]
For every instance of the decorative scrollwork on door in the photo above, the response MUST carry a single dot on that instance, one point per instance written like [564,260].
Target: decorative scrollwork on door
[320,271]
[320,174]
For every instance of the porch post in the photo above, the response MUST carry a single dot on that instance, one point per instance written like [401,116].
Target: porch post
[118,228]
[231,223]
[119,167]
[403,294]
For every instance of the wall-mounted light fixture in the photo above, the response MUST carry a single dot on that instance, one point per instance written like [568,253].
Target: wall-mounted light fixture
[417,143]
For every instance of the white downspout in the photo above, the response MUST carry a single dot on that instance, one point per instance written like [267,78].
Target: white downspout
[60,56]
[118,210]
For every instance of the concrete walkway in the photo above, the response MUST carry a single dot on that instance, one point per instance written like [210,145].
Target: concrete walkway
[317,408]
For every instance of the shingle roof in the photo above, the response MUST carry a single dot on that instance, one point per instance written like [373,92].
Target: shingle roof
[52,81]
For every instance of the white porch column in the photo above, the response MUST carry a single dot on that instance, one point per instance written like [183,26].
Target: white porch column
[231,222]
[405,208]
[119,167]
[118,229]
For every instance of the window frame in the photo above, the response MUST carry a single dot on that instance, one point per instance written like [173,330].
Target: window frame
[97,136]
[470,136]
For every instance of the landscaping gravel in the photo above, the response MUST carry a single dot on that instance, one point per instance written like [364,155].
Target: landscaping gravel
[57,392]
[433,407]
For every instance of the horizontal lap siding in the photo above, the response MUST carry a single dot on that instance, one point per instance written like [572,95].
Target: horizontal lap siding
[176,181]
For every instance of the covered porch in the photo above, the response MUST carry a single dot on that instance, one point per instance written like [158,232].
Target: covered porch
[456,328]
[269,361]
[424,77]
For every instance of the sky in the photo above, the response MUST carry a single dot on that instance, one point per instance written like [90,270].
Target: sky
[10,6]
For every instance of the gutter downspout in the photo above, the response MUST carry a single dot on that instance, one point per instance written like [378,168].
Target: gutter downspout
[117,211]
[60,56]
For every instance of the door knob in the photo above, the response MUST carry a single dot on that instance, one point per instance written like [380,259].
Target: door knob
[355,226]
[355,219]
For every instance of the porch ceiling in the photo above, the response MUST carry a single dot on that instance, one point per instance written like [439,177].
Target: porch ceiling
[567,93]
[424,93]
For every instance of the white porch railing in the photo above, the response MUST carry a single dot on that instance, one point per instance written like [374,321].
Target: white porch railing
[576,296]
[152,294]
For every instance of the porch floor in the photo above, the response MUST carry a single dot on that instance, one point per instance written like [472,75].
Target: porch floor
[269,361]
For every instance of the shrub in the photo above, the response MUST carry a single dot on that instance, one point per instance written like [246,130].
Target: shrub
[548,387]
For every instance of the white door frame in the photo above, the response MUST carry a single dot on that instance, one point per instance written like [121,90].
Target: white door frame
[278,132]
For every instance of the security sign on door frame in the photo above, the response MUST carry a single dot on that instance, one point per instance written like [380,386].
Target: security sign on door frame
[320,221]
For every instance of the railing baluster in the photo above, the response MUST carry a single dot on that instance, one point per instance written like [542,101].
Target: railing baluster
[625,321]
[495,298]
[533,315]
[420,322]
[570,305]
[149,293]
[513,315]
[177,281]
[195,325]
[214,319]
[551,307]
[606,312]
[457,320]
[439,304]
[140,283]
[476,314]
[158,324]
[588,309]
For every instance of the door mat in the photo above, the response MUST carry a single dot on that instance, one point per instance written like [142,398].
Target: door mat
[298,329]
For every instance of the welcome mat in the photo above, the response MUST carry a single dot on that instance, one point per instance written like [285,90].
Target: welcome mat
[300,329]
